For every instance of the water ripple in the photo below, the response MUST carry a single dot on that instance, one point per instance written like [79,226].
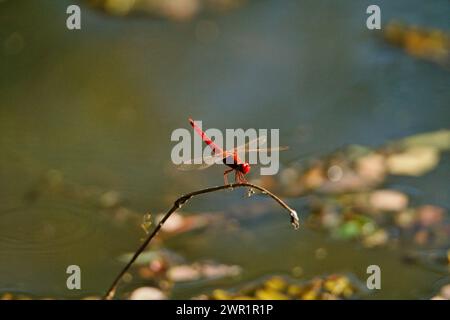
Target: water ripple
[44,229]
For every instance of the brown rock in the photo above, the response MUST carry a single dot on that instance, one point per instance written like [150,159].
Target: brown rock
[388,200]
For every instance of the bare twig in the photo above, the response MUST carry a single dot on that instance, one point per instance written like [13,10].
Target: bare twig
[177,205]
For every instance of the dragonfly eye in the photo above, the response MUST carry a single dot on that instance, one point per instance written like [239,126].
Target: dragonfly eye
[245,167]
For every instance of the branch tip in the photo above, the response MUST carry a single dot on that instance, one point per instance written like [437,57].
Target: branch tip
[294,220]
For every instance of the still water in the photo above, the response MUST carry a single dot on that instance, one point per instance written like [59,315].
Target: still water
[98,106]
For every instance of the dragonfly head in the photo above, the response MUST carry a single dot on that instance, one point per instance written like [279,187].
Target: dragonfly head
[245,168]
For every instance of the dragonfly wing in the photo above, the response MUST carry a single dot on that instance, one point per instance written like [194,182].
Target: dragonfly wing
[268,149]
[187,166]
[252,144]
[200,163]
[256,144]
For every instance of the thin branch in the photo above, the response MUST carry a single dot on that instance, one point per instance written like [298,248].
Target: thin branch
[177,205]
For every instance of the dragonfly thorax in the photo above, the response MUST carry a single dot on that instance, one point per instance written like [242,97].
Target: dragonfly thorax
[233,162]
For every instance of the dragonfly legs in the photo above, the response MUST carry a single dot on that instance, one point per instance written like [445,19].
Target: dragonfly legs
[225,179]
[239,177]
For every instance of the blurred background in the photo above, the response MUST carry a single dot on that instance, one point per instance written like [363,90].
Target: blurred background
[85,124]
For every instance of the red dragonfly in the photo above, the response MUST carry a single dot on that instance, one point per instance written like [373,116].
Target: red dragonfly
[227,157]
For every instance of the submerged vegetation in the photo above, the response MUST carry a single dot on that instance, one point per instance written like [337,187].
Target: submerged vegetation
[346,198]
[330,287]
[349,200]
[428,44]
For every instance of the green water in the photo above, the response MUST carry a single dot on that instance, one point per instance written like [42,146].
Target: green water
[99,105]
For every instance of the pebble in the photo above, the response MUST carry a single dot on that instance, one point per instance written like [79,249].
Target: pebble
[175,222]
[388,200]
[183,273]
[148,293]
[219,270]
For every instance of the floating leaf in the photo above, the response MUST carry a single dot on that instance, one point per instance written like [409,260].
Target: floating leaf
[438,139]
[414,161]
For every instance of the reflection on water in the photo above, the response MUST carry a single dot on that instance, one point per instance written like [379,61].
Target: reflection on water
[99,106]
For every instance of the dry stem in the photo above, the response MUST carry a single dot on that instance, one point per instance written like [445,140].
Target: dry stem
[177,205]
